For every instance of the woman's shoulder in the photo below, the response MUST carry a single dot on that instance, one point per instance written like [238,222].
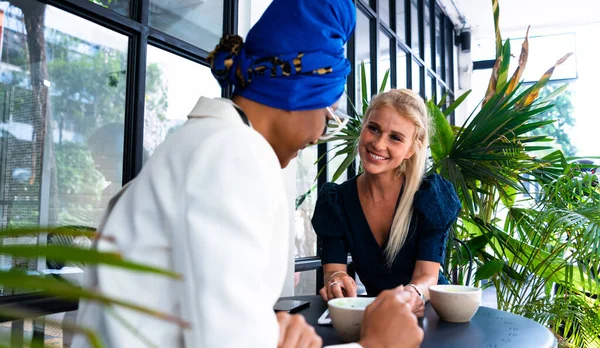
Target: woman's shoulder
[437,200]
[332,191]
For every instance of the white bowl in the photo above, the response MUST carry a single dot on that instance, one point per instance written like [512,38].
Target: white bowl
[455,303]
[346,316]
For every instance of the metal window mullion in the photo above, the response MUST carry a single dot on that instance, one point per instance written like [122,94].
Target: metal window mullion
[421,28]
[98,15]
[432,40]
[407,23]
[374,54]
[134,105]
[443,29]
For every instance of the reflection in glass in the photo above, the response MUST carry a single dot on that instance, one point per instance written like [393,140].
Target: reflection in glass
[384,11]
[416,77]
[305,283]
[438,43]
[431,88]
[333,165]
[427,33]
[306,196]
[414,27]
[401,68]
[62,96]
[199,22]
[384,61]
[363,45]
[401,19]
[173,86]
[449,33]
[118,6]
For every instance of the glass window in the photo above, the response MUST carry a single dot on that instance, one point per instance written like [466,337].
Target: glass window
[449,54]
[440,93]
[334,163]
[401,19]
[431,88]
[363,55]
[384,61]
[416,77]
[199,22]
[305,283]
[61,125]
[173,86]
[414,26]
[384,11]
[439,49]
[306,198]
[119,6]
[427,26]
[401,68]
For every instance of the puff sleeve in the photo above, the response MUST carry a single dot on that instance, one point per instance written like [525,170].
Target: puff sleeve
[330,225]
[437,206]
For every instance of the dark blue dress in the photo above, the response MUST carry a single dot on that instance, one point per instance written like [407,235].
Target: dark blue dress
[341,223]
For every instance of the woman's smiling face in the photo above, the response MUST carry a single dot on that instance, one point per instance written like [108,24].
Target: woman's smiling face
[385,140]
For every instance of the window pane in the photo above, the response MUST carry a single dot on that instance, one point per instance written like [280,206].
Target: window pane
[427,34]
[449,33]
[416,77]
[334,164]
[414,26]
[401,69]
[305,283]
[119,6]
[363,45]
[439,49]
[306,195]
[384,11]
[430,88]
[440,93]
[199,22]
[61,122]
[384,60]
[173,86]
[401,19]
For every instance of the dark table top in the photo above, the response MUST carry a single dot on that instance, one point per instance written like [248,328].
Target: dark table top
[489,328]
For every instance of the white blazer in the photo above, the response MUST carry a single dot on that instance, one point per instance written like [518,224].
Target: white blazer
[211,205]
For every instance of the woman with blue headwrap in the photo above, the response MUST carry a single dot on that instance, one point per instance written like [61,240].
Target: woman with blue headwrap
[211,204]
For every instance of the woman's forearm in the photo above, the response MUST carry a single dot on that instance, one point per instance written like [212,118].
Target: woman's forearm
[330,268]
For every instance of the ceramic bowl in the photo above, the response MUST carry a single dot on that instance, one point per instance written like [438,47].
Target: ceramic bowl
[455,303]
[346,316]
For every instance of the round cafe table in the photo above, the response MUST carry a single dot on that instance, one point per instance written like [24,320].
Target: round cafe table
[489,328]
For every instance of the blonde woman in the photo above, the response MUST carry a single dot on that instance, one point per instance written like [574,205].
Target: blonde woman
[391,220]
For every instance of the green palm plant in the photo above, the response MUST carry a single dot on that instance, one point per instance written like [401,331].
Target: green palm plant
[29,281]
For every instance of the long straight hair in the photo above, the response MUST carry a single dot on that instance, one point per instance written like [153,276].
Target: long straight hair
[410,105]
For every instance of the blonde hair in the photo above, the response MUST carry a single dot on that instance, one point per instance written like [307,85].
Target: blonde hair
[410,105]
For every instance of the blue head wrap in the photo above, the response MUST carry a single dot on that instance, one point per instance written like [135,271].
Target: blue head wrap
[293,57]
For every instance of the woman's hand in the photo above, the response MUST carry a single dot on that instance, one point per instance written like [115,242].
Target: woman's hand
[415,301]
[340,285]
[295,332]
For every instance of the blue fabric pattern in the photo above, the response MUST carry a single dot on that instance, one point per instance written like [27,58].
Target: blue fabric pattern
[293,57]
[340,222]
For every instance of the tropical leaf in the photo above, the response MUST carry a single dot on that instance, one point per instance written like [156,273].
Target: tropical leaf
[443,137]
[489,270]
[533,94]
[514,81]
